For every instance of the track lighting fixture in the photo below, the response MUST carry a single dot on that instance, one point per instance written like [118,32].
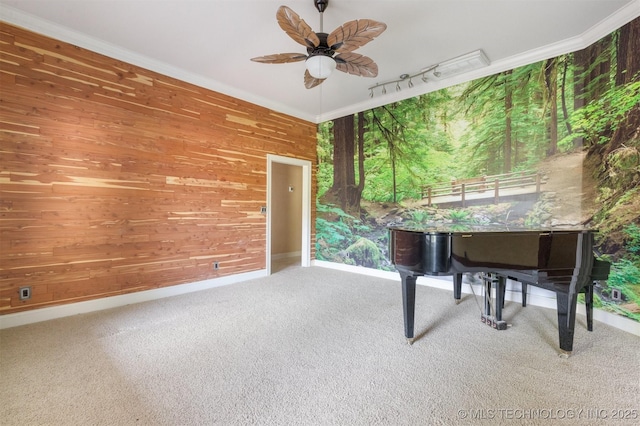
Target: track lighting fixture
[451,67]
[401,79]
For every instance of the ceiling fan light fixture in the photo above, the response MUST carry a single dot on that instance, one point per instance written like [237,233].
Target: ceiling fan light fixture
[320,66]
[321,46]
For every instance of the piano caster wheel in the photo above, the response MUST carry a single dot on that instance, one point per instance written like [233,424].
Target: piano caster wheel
[458,301]
[564,354]
[410,341]
[494,323]
[500,325]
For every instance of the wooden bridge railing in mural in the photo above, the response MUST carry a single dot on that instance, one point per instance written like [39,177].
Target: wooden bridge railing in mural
[483,187]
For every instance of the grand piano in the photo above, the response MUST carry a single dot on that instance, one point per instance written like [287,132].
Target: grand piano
[560,260]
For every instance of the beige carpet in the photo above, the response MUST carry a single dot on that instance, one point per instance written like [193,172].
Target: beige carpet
[313,346]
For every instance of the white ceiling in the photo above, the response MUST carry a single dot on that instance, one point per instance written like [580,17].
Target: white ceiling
[210,42]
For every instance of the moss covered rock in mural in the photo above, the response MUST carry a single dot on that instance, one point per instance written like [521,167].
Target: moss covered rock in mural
[364,252]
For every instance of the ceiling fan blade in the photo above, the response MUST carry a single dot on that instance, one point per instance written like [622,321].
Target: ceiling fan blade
[296,28]
[280,58]
[356,64]
[354,34]
[311,82]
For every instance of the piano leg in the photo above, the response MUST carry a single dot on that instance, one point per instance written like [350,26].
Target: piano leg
[408,303]
[588,301]
[566,320]
[524,294]
[457,287]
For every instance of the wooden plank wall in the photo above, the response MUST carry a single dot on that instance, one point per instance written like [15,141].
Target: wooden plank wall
[115,179]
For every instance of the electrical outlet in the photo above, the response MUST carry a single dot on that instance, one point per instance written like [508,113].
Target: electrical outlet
[263,209]
[25,293]
[216,266]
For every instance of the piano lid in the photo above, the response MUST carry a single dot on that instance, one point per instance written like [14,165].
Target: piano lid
[456,228]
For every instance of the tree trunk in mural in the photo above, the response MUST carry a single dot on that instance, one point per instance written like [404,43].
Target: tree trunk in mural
[563,94]
[550,79]
[580,65]
[628,67]
[591,80]
[597,79]
[592,74]
[622,55]
[361,133]
[628,60]
[604,68]
[390,131]
[344,190]
[508,107]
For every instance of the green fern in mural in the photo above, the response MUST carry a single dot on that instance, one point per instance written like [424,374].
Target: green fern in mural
[625,277]
[335,232]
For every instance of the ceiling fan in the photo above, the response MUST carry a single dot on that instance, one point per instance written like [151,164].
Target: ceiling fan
[321,47]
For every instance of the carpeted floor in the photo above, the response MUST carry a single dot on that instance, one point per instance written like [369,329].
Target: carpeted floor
[314,346]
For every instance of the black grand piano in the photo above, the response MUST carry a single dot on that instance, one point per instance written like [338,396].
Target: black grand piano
[558,260]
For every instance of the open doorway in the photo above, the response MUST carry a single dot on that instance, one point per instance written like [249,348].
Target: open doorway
[288,211]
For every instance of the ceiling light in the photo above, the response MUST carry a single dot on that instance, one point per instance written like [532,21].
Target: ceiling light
[464,63]
[320,66]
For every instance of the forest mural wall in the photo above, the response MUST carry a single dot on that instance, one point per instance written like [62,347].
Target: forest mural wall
[551,144]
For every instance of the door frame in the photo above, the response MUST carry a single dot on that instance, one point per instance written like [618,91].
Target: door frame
[305,249]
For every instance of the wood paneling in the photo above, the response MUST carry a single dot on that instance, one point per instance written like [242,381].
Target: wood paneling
[115,179]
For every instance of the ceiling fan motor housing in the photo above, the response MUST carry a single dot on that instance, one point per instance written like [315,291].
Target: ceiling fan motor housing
[321,5]
[322,48]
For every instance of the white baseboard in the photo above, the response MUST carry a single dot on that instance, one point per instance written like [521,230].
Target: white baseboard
[53,312]
[535,296]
